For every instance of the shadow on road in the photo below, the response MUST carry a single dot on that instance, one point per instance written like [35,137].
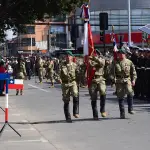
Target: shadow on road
[63,121]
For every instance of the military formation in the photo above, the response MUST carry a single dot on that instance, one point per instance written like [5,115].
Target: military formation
[129,73]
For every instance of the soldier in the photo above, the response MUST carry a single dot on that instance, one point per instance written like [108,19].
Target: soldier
[68,73]
[82,74]
[50,71]
[147,71]
[124,76]
[40,68]
[20,72]
[98,85]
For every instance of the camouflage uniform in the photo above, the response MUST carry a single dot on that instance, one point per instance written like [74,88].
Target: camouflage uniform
[44,69]
[40,69]
[68,72]
[50,72]
[98,85]
[82,74]
[20,73]
[124,74]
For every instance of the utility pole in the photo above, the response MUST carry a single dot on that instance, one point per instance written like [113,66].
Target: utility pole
[129,23]
[31,45]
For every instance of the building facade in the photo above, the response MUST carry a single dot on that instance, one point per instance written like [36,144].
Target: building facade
[42,37]
[118,16]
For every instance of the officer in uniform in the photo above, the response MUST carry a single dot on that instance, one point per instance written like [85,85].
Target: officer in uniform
[123,74]
[39,67]
[68,75]
[20,72]
[147,72]
[98,85]
[50,71]
[135,60]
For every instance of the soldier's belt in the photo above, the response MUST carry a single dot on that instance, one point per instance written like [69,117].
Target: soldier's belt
[122,77]
[97,76]
[67,82]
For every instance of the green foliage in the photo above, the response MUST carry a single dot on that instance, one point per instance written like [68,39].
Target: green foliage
[15,13]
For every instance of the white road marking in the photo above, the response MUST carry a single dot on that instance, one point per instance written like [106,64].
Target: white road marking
[38,88]
[25,141]
[10,114]
[15,114]
[30,129]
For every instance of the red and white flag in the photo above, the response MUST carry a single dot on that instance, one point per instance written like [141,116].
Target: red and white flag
[16,84]
[88,46]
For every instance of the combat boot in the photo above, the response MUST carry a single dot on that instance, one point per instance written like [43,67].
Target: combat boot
[21,92]
[130,104]
[122,109]
[67,113]
[17,92]
[52,86]
[75,107]
[102,106]
[94,109]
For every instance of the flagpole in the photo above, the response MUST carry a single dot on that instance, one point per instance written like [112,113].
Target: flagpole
[129,23]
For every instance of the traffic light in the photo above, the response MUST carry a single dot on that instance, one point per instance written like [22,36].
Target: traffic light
[102,36]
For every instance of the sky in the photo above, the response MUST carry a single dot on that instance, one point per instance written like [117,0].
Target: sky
[9,35]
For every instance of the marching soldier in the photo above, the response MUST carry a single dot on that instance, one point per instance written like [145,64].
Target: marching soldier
[98,85]
[20,72]
[147,71]
[50,71]
[39,66]
[124,75]
[68,73]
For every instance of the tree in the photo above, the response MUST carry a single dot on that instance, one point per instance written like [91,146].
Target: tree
[15,13]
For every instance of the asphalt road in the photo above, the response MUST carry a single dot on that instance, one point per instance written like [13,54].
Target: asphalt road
[38,116]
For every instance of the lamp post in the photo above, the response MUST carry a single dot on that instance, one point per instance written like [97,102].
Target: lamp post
[31,45]
[129,22]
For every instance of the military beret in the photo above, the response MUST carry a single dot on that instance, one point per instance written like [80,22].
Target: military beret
[68,53]
[122,50]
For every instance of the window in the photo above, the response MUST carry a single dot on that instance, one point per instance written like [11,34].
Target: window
[30,30]
[57,29]
[27,42]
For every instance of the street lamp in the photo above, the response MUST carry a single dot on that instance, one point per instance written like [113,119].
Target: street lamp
[129,22]
[31,45]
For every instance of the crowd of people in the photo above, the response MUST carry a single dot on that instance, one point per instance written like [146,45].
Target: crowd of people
[128,71]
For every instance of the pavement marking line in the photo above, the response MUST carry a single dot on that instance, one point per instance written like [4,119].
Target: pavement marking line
[21,141]
[38,88]
[30,129]
[11,114]
[26,141]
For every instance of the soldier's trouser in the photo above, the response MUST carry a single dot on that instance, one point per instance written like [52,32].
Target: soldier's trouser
[130,103]
[121,107]
[122,90]
[66,111]
[94,109]
[102,103]
[40,74]
[68,89]
[101,87]
[17,92]
[75,106]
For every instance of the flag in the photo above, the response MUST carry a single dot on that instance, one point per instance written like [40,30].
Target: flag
[85,13]
[16,84]
[88,46]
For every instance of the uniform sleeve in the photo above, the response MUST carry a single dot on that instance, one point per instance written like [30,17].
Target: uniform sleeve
[133,72]
[112,72]
[98,61]
[24,70]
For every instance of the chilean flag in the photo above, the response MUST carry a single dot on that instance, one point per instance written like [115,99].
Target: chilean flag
[88,46]
[16,84]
